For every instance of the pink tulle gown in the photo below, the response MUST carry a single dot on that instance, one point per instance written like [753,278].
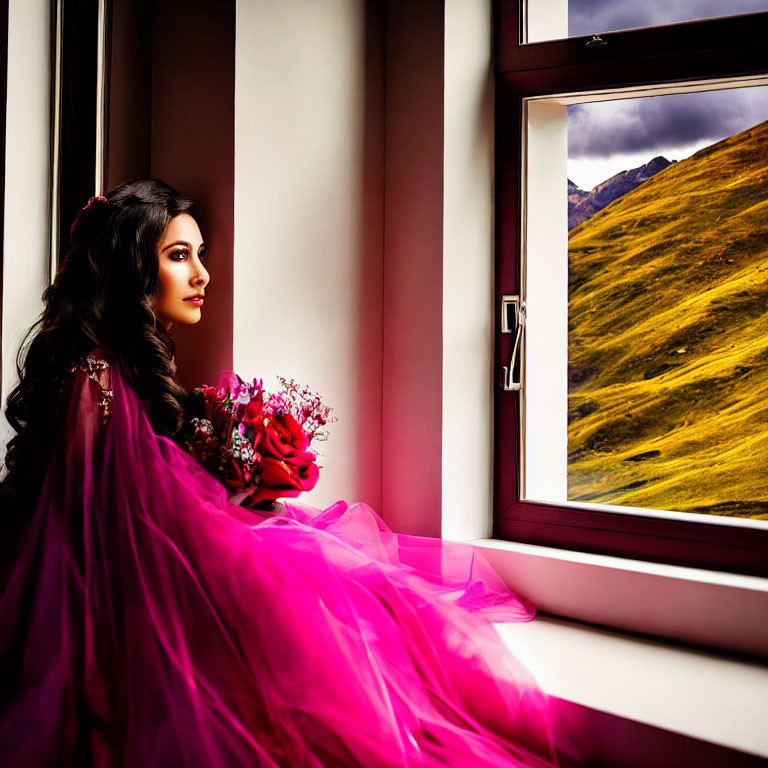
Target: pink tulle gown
[147,622]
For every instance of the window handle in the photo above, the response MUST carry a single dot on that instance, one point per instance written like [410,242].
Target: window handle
[512,321]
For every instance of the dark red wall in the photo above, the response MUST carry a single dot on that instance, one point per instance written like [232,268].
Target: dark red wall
[172,108]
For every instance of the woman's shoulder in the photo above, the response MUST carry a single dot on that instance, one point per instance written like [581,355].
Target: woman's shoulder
[95,361]
[96,366]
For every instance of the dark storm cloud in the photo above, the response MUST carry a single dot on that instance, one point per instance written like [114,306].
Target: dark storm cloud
[585,17]
[659,123]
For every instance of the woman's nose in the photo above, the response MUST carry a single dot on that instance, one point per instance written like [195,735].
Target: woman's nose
[202,277]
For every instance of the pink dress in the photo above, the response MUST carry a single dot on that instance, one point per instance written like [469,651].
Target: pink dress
[147,622]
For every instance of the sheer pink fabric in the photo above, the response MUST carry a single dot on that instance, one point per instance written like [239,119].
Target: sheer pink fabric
[146,622]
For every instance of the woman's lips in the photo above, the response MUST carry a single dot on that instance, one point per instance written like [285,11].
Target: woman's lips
[196,300]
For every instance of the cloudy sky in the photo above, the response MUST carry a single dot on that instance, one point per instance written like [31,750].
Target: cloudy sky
[586,17]
[610,136]
[607,137]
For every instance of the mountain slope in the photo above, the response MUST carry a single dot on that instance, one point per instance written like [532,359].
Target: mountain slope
[668,342]
[583,205]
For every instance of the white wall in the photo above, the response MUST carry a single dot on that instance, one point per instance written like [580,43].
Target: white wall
[307,261]
[438,269]
[335,203]
[468,311]
[27,180]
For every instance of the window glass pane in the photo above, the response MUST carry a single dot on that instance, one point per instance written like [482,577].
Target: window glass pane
[555,19]
[654,396]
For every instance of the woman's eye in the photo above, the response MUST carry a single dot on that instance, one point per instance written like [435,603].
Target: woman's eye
[203,255]
[179,255]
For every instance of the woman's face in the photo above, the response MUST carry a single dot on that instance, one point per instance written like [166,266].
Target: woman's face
[181,275]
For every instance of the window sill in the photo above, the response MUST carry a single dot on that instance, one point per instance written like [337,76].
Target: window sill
[710,609]
[707,697]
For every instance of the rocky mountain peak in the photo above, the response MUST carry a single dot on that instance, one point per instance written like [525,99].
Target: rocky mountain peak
[583,205]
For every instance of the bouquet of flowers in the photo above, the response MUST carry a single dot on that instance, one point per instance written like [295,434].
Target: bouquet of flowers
[258,444]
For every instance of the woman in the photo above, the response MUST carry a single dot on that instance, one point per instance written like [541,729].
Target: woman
[144,621]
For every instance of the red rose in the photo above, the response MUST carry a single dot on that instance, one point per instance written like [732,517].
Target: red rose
[281,478]
[287,467]
[283,437]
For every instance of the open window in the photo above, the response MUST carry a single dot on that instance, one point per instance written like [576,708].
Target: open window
[632,268]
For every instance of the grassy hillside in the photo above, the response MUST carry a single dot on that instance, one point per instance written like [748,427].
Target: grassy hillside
[668,338]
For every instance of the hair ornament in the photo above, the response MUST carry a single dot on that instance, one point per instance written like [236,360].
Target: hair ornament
[91,201]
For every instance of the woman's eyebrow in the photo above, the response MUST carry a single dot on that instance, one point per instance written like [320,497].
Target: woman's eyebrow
[176,242]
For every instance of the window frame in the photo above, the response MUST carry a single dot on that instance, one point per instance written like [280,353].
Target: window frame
[690,51]
[4,10]
[79,145]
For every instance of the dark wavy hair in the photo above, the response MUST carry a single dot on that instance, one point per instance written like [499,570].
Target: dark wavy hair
[102,297]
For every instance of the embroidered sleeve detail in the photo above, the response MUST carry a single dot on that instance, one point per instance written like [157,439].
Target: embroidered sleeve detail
[97,370]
